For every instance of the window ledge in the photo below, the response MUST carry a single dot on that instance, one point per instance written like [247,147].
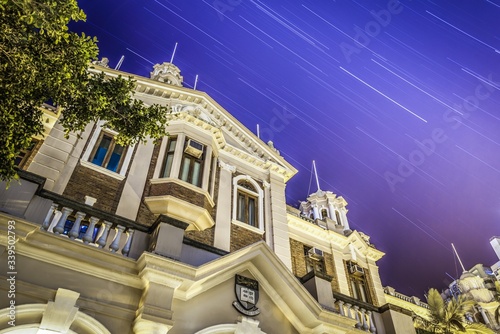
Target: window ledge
[102,170]
[248,227]
[185,185]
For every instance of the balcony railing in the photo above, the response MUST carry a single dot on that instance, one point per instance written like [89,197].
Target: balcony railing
[357,310]
[83,223]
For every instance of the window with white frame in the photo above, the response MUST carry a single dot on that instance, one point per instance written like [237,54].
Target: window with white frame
[186,159]
[169,157]
[248,202]
[192,162]
[107,153]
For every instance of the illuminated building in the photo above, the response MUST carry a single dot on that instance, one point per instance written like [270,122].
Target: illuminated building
[187,235]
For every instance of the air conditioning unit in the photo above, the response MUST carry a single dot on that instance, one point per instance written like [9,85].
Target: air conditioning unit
[315,252]
[357,270]
[194,148]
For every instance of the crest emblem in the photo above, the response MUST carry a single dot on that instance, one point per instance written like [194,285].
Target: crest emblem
[247,295]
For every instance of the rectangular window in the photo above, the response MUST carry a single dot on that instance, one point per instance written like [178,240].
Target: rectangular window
[247,209]
[169,157]
[107,153]
[25,154]
[192,163]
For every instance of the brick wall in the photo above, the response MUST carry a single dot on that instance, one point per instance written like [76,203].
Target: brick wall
[183,193]
[88,182]
[299,267]
[242,237]
[205,237]
[330,270]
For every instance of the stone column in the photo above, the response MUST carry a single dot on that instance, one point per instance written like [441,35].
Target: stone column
[207,164]
[130,198]
[222,238]
[279,221]
[88,237]
[267,215]
[315,211]
[75,229]
[59,229]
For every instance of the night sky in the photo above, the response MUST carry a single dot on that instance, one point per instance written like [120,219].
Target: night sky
[398,103]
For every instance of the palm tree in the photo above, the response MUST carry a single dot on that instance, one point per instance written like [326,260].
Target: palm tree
[449,317]
[497,298]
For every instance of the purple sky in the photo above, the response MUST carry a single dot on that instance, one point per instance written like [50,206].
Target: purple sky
[404,123]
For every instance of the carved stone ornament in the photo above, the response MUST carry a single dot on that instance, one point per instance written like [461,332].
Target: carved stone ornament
[247,295]
[167,73]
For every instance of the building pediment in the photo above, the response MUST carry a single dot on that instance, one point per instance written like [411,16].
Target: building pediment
[280,291]
[361,244]
[233,137]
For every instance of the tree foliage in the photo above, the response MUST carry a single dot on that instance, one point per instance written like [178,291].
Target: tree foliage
[449,317]
[40,61]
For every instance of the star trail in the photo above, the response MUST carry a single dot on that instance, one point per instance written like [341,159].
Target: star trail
[398,103]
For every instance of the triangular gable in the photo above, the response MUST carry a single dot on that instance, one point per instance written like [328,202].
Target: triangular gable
[200,105]
[282,295]
[362,247]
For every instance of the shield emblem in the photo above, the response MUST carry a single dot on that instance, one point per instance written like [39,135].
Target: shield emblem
[247,295]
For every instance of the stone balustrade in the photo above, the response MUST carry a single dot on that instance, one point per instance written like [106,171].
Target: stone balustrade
[414,300]
[363,314]
[84,223]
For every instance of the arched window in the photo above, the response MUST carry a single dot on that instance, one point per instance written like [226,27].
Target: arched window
[247,201]
[246,207]
[337,216]
[324,213]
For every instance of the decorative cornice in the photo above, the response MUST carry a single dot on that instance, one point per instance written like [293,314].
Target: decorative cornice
[227,167]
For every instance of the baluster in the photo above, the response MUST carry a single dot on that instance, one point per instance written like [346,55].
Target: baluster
[104,235]
[75,229]
[62,221]
[116,241]
[54,221]
[363,317]
[348,310]
[126,248]
[46,222]
[89,234]
[372,323]
[356,313]
[341,307]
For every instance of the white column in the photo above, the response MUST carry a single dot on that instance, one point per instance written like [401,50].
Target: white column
[279,220]
[46,222]
[62,221]
[126,248]
[104,234]
[130,198]
[331,208]
[88,237]
[116,241]
[345,222]
[315,211]
[222,237]
[267,215]
[206,168]
[75,229]
[178,153]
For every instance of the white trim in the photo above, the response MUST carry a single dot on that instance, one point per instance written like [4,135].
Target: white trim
[259,194]
[248,227]
[102,170]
